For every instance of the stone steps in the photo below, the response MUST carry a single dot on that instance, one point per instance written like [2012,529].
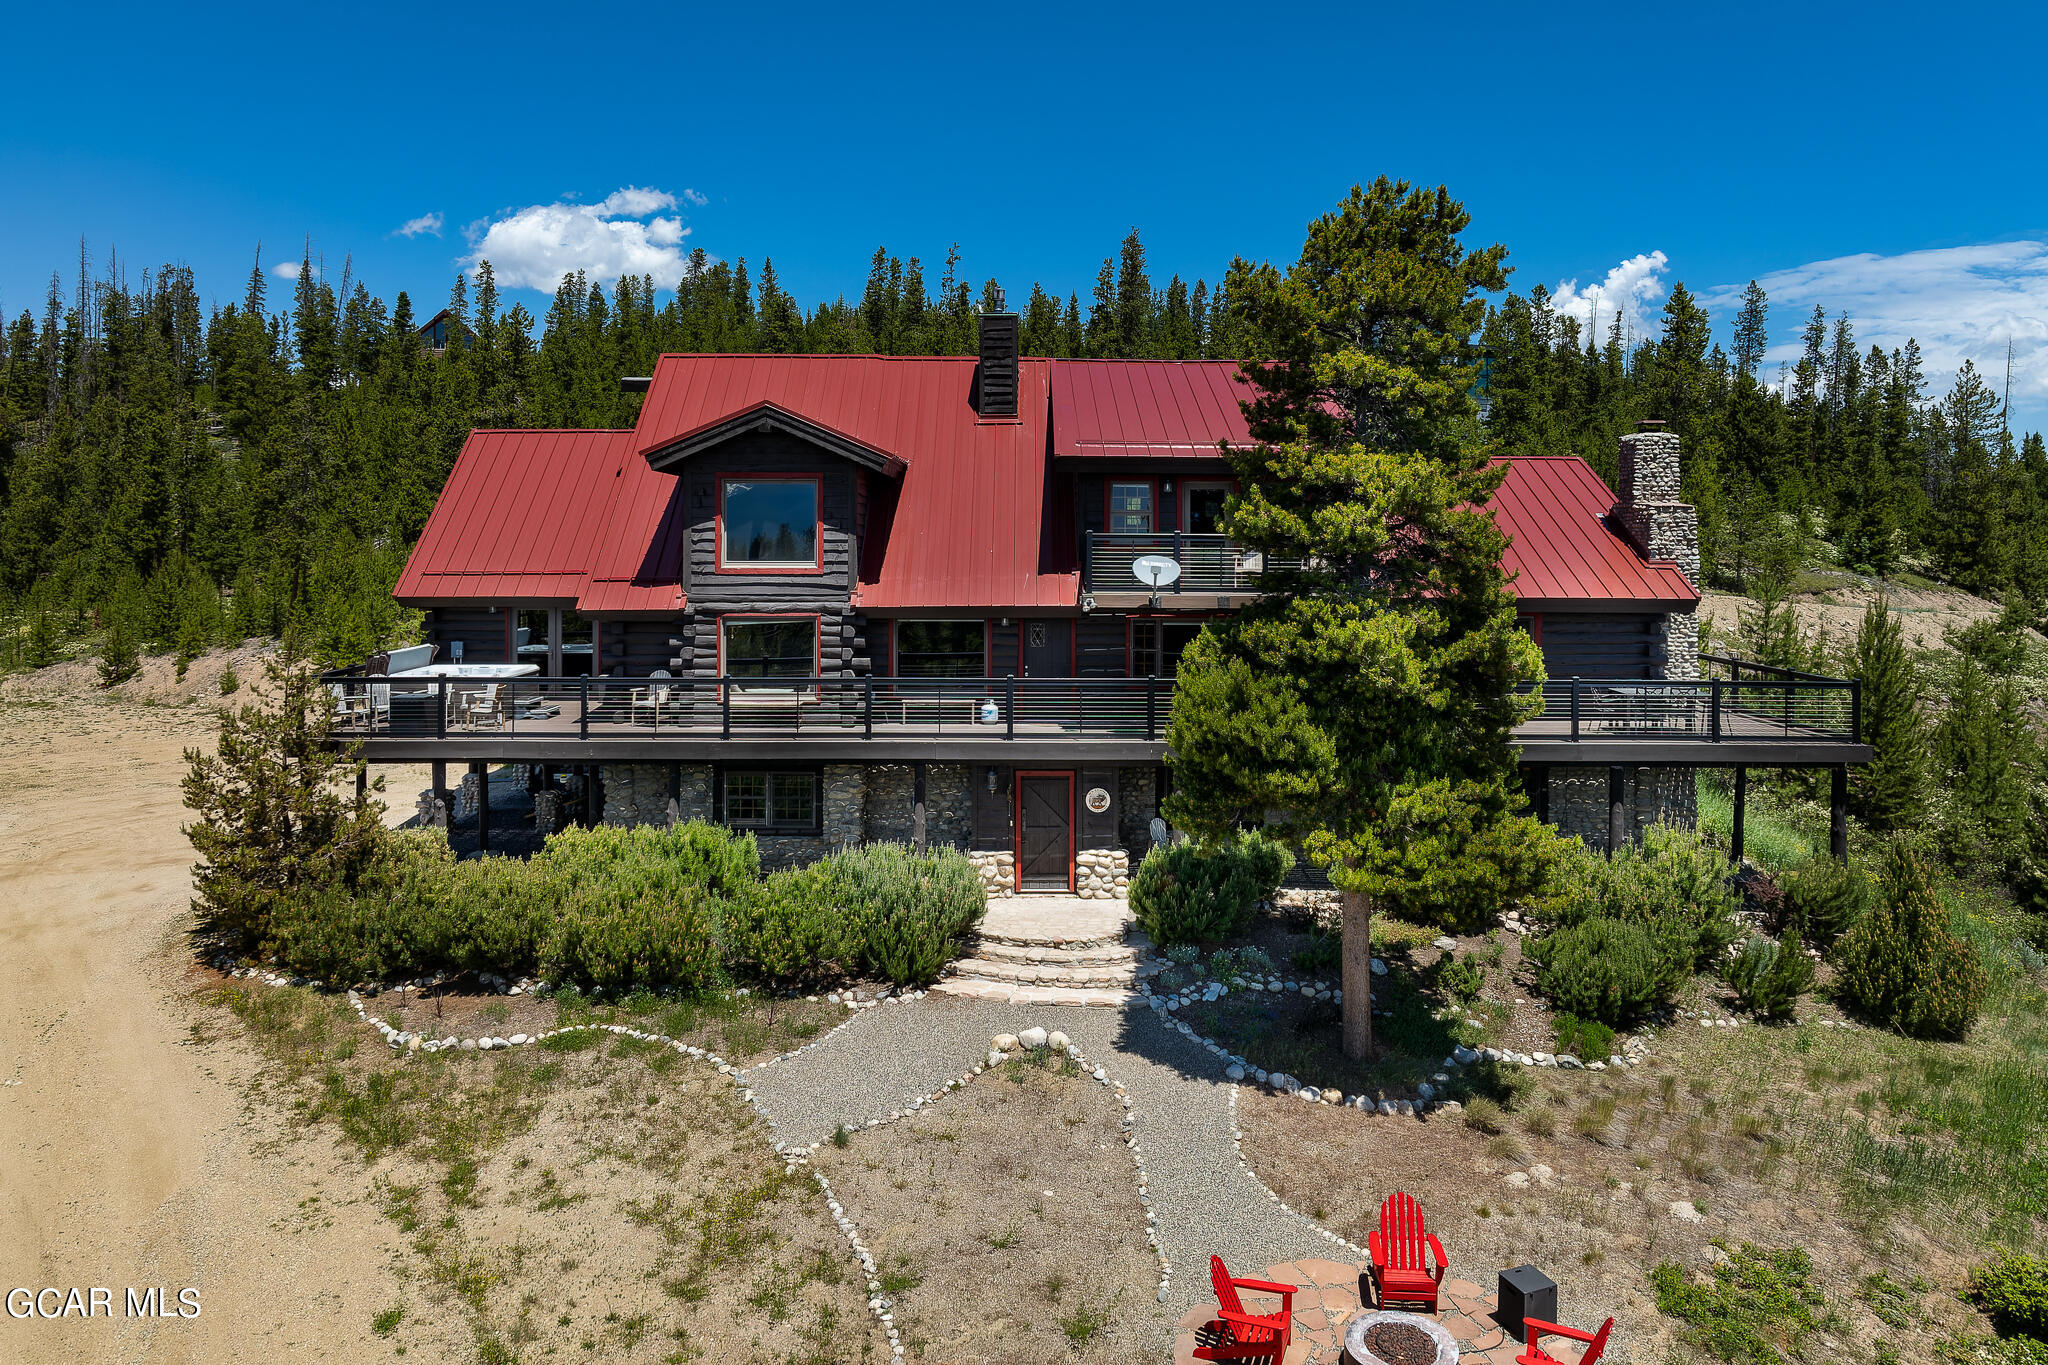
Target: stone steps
[1106,976]
[1091,955]
[1009,992]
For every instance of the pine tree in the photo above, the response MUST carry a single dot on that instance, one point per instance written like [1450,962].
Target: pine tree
[1888,793]
[1902,966]
[1102,338]
[1367,698]
[1134,323]
[1752,331]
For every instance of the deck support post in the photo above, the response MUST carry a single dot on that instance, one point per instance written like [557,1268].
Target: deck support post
[1617,811]
[1838,815]
[1741,807]
[1538,784]
[917,813]
[440,782]
[483,806]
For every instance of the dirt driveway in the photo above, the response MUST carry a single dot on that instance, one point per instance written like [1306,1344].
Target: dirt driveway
[128,1155]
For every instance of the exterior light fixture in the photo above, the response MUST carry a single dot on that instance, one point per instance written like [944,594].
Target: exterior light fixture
[991,780]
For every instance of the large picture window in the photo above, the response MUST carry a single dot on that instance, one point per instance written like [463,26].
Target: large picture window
[784,801]
[941,649]
[1131,507]
[768,524]
[770,646]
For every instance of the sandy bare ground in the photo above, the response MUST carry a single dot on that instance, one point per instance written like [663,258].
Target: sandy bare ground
[1925,614]
[128,1156]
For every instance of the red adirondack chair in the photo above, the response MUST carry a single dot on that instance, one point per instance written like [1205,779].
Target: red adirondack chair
[1247,1336]
[1596,1342]
[1400,1269]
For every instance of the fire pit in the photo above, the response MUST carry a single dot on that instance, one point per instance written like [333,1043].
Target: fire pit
[1386,1338]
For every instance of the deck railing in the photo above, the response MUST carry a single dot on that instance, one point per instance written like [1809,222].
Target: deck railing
[1208,563]
[751,707]
[1805,708]
[1741,707]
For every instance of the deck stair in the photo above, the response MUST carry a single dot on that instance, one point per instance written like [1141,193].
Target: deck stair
[1055,950]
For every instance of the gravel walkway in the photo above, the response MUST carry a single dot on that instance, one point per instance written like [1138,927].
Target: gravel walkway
[1205,1200]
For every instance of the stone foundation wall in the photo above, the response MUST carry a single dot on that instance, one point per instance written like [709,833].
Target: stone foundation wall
[634,793]
[1102,874]
[1578,800]
[1137,801]
[845,795]
[998,871]
[790,850]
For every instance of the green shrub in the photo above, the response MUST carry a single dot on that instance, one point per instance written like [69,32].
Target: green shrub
[2013,1289]
[1200,893]
[496,915]
[788,927]
[1770,977]
[1672,880]
[616,935]
[332,936]
[1461,978]
[1612,970]
[908,914]
[1587,1039]
[713,857]
[1903,966]
[1759,1308]
[1824,900]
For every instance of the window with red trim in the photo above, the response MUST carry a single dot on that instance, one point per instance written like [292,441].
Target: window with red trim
[769,523]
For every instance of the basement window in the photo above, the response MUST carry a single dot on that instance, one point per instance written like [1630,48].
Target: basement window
[780,802]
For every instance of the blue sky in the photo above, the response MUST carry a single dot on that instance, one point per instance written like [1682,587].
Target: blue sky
[1881,158]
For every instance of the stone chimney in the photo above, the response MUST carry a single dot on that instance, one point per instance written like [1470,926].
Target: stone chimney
[1650,514]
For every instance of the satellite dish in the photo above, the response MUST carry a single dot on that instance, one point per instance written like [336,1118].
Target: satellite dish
[1155,571]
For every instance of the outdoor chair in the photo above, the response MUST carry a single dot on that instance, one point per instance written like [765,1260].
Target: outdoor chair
[350,708]
[1247,1336]
[483,708]
[657,698]
[1596,1342]
[379,703]
[1400,1268]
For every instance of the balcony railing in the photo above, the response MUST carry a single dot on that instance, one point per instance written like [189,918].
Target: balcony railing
[1753,704]
[745,708]
[1208,563]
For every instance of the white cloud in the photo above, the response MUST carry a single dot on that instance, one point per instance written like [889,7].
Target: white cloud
[1960,303]
[428,223]
[691,196]
[535,246]
[285,270]
[1635,289]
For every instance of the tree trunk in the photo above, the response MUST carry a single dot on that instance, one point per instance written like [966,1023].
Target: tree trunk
[1357,948]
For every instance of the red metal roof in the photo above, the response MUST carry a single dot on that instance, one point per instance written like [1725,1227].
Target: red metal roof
[1146,409]
[1562,546]
[973,522]
[979,519]
[520,516]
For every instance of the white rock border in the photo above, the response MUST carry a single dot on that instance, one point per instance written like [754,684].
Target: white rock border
[793,1157]
[1238,1069]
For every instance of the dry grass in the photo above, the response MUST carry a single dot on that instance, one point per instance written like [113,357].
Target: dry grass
[607,1202]
[1009,1212]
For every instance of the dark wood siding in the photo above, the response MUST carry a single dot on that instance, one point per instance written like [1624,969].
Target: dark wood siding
[1002,649]
[1616,646]
[1101,647]
[770,453]
[637,646]
[484,633]
[992,812]
[1097,831]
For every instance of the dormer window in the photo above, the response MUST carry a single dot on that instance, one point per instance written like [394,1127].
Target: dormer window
[769,525]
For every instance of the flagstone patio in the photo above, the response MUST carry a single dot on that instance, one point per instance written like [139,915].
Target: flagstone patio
[1328,1299]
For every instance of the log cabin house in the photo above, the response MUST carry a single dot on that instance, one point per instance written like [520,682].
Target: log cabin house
[836,598]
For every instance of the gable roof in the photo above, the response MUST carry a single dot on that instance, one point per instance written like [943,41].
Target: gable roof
[520,516]
[1146,409]
[981,517]
[1563,547]
[974,521]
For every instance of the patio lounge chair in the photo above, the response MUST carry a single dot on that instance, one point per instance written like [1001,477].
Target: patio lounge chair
[658,698]
[1400,1270]
[1596,1342]
[1247,1336]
